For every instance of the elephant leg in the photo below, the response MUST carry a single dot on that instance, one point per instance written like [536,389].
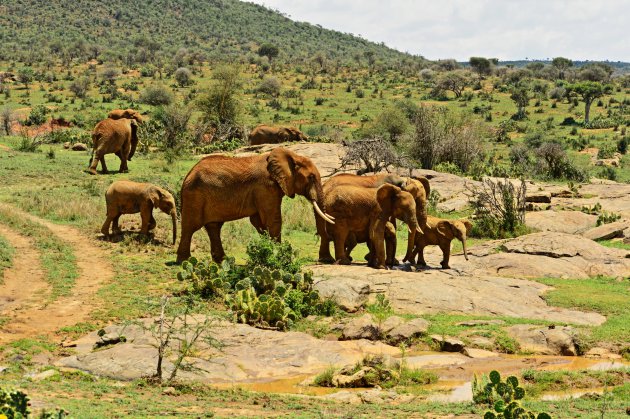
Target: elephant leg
[107,223]
[183,250]
[146,216]
[257,223]
[390,245]
[216,247]
[446,253]
[340,248]
[351,243]
[124,152]
[152,223]
[115,226]
[97,156]
[103,165]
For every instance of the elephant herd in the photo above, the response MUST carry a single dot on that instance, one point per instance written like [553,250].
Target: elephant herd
[349,209]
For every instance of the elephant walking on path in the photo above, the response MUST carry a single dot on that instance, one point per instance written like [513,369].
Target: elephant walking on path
[126,197]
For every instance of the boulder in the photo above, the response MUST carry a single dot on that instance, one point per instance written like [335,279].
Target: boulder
[541,197]
[479,353]
[544,340]
[363,327]
[350,294]
[67,145]
[448,344]
[391,323]
[570,222]
[79,147]
[532,206]
[405,332]
[361,378]
[44,375]
[607,231]
[346,397]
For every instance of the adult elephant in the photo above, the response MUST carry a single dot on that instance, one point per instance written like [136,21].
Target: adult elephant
[125,114]
[126,197]
[266,134]
[371,181]
[220,188]
[365,213]
[118,136]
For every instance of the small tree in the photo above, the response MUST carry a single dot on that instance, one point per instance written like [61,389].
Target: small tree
[183,77]
[588,92]
[268,50]
[561,64]
[156,95]
[174,119]
[269,86]
[370,156]
[6,118]
[480,65]
[25,75]
[499,207]
[80,87]
[454,81]
[220,104]
[521,97]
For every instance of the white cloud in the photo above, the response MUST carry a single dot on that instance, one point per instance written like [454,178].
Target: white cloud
[506,29]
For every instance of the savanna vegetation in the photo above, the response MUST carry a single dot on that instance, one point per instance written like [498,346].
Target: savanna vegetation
[202,86]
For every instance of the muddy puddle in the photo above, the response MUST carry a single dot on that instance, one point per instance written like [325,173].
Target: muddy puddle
[455,372]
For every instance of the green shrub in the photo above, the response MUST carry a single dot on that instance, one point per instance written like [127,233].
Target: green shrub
[156,95]
[38,115]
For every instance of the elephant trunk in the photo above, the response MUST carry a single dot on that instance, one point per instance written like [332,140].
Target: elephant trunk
[414,229]
[174,219]
[464,245]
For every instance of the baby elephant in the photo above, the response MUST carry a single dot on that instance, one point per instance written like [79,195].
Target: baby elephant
[440,232]
[126,197]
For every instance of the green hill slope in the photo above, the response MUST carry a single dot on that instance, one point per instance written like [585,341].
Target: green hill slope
[219,29]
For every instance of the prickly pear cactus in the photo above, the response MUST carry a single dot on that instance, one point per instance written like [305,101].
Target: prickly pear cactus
[14,404]
[504,397]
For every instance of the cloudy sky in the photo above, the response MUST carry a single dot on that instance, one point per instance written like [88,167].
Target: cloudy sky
[506,29]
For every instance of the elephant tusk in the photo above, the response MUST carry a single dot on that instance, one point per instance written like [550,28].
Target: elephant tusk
[321,213]
[329,216]
[419,230]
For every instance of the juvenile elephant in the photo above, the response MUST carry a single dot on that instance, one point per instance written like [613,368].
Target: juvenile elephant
[125,114]
[440,232]
[117,136]
[419,188]
[365,212]
[126,197]
[266,134]
[221,188]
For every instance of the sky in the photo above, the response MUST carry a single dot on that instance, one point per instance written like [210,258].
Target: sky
[504,29]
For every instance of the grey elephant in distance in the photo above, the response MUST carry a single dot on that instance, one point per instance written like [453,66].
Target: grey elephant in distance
[126,197]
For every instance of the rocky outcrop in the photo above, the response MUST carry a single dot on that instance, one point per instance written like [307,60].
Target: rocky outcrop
[472,292]
[247,355]
[571,222]
[349,294]
[607,231]
[544,340]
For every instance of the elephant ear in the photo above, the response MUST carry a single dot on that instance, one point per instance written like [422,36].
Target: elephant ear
[134,139]
[468,226]
[427,186]
[385,196]
[281,167]
[445,228]
[155,195]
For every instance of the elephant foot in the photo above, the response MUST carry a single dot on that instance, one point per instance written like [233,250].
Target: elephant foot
[445,266]
[344,261]
[92,171]
[326,259]
[380,267]
[123,171]
[393,262]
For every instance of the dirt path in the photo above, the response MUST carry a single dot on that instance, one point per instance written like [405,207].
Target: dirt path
[24,296]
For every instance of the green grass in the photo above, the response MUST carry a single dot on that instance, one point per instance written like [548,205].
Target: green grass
[616,244]
[607,296]
[57,258]
[6,255]
[538,382]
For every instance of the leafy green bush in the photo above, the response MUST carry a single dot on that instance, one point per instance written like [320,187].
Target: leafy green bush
[156,95]
[38,115]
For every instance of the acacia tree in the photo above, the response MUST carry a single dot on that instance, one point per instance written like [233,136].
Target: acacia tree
[588,92]
[455,81]
[521,97]
[268,50]
[481,65]
[561,64]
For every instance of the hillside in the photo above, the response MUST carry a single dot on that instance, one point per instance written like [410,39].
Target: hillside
[219,29]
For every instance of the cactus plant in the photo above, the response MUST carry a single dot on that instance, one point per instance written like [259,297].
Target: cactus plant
[503,397]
